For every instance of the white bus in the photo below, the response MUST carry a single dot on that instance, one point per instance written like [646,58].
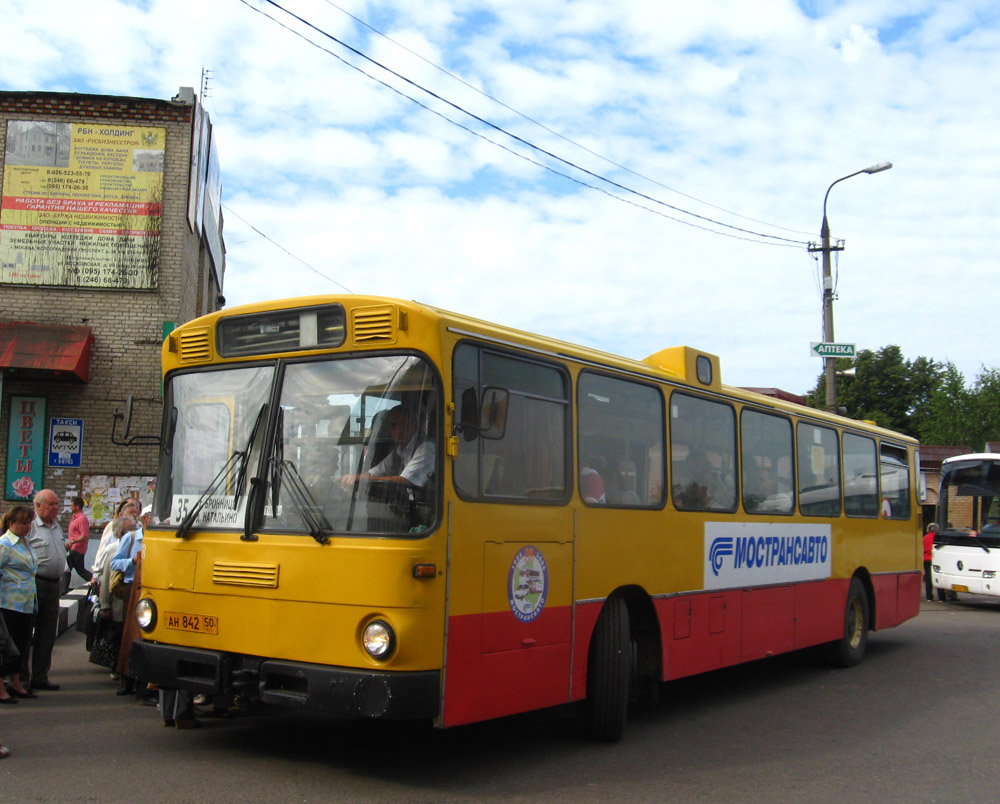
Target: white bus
[966,555]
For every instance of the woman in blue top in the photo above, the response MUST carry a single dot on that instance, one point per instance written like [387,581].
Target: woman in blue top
[125,560]
[17,591]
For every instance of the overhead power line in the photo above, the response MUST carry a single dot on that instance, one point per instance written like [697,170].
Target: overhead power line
[278,245]
[745,234]
[552,131]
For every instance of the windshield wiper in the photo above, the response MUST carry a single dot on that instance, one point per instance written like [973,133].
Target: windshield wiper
[957,538]
[184,528]
[313,516]
[241,475]
[243,457]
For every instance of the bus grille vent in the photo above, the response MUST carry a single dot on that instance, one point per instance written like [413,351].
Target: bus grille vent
[374,324]
[195,346]
[240,574]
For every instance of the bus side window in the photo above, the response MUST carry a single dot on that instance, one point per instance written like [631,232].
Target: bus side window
[860,476]
[894,473]
[702,454]
[523,452]
[767,463]
[819,470]
[620,437]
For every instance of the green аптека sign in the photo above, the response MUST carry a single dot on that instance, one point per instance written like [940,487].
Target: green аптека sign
[833,350]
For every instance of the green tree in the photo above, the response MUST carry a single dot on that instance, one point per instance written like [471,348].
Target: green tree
[948,411]
[984,409]
[921,397]
[885,388]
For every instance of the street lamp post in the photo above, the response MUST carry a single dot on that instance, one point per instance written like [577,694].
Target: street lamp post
[826,248]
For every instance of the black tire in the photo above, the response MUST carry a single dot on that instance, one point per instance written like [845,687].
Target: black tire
[609,673]
[850,649]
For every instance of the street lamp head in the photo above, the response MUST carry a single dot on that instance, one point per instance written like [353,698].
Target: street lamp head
[878,168]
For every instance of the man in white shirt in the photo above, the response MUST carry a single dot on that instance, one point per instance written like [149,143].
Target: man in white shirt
[411,460]
[49,545]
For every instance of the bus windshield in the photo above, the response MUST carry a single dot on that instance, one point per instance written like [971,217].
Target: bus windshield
[969,500]
[350,445]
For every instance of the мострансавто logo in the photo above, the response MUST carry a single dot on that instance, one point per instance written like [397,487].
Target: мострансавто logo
[721,547]
[761,553]
[768,551]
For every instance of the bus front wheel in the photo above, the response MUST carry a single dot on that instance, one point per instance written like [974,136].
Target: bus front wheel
[850,649]
[609,673]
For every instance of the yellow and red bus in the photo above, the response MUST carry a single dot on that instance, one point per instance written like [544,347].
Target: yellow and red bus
[580,526]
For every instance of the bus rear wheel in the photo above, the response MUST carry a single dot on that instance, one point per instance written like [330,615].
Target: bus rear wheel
[850,649]
[609,673]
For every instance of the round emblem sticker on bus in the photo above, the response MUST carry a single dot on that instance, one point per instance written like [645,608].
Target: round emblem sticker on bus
[527,584]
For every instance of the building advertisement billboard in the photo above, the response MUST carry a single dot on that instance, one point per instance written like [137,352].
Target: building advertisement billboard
[81,204]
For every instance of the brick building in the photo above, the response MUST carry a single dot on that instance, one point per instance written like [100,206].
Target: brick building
[110,236]
[931,458]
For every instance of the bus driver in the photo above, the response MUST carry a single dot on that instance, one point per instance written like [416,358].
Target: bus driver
[411,461]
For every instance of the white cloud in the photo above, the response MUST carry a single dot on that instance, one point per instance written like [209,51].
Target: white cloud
[860,42]
[755,108]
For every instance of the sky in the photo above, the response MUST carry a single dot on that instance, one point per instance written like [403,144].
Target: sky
[625,174]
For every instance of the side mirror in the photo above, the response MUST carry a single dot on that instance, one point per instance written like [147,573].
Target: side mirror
[125,417]
[493,413]
[487,419]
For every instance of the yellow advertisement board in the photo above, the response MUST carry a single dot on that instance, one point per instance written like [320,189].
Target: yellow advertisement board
[81,204]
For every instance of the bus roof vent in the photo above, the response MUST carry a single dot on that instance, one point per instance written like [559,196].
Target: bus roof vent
[242,574]
[195,345]
[692,366]
[374,324]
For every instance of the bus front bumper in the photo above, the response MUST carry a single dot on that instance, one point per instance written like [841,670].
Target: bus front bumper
[974,585]
[336,691]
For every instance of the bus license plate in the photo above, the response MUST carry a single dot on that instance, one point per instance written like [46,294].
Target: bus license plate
[196,623]
[959,587]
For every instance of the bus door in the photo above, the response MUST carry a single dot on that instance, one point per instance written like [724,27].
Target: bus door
[510,581]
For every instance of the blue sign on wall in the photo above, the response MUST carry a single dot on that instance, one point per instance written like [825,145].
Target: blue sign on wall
[66,442]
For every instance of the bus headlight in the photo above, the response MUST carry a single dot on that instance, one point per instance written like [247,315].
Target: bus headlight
[145,614]
[379,639]
[989,574]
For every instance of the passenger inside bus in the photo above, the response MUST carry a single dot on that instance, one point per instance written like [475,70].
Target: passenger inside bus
[623,484]
[693,479]
[760,490]
[591,482]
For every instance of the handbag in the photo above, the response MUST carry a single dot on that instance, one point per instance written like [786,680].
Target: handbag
[117,585]
[85,615]
[106,644]
[95,622]
[10,656]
